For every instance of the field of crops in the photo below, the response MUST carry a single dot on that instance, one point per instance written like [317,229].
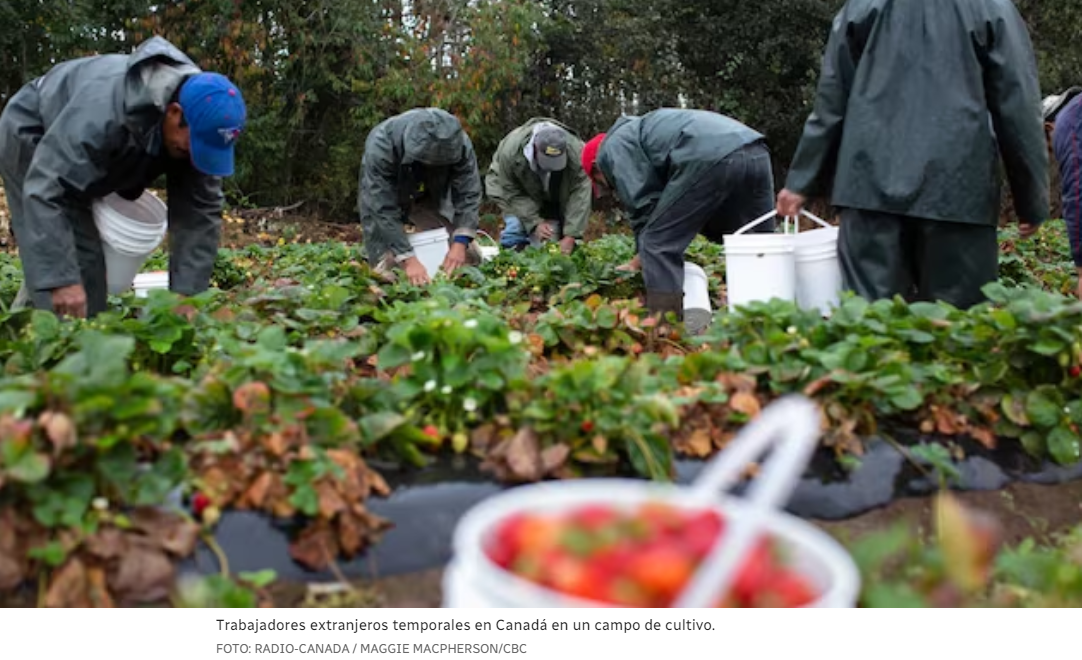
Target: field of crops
[303,375]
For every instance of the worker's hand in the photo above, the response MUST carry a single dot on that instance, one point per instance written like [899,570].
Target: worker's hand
[546,231]
[1026,229]
[456,258]
[70,301]
[567,244]
[790,203]
[633,266]
[415,272]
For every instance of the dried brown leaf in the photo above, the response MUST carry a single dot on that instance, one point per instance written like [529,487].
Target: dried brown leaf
[59,429]
[98,588]
[524,455]
[68,587]
[554,457]
[108,543]
[745,402]
[984,436]
[698,444]
[256,494]
[330,501]
[144,575]
[12,571]
[315,546]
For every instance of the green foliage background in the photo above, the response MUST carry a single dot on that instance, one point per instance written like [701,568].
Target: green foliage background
[318,75]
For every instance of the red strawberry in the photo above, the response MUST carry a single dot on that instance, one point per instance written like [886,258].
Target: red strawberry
[592,517]
[701,532]
[199,503]
[1075,371]
[431,431]
[587,426]
[662,571]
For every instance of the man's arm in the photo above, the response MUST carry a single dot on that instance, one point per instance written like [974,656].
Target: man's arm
[816,155]
[71,156]
[195,226]
[466,192]
[1013,95]
[579,204]
[1067,137]
[381,215]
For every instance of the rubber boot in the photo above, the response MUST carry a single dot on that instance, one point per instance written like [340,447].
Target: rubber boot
[660,302]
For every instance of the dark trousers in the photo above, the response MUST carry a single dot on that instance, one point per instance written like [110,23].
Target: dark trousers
[737,190]
[883,255]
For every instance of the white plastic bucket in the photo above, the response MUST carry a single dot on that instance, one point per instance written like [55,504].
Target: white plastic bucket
[130,231]
[144,282]
[696,288]
[759,267]
[431,248]
[818,272]
[801,267]
[472,579]
[488,252]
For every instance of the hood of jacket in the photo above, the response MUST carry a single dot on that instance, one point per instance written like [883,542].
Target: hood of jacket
[432,137]
[155,69]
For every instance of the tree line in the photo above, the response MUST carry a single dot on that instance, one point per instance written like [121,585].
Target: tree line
[319,74]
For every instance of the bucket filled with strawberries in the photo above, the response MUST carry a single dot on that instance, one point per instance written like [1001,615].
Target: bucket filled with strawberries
[634,543]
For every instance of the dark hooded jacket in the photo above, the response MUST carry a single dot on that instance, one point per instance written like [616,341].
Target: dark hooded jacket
[90,127]
[419,152]
[914,100]
[653,160]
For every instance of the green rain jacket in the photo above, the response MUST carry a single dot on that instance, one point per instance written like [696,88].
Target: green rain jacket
[423,148]
[916,101]
[90,127]
[653,160]
[518,191]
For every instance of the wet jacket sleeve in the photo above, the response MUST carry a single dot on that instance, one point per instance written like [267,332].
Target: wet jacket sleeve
[1014,101]
[195,227]
[813,164]
[381,215]
[1067,138]
[579,204]
[466,193]
[503,188]
[69,159]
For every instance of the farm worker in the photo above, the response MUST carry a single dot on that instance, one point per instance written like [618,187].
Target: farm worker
[419,167]
[112,124]
[678,174]
[538,183]
[1063,126]
[904,136]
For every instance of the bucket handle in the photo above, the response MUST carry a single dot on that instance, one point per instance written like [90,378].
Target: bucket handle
[483,233]
[796,225]
[791,426]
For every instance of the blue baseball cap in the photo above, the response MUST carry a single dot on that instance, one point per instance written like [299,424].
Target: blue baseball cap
[215,112]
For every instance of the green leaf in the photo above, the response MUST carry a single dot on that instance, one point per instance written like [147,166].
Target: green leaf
[1042,409]
[908,398]
[305,499]
[1014,408]
[52,553]
[259,579]
[31,467]
[1048,346]
[1063,446]
[16,402]
[1034,443]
